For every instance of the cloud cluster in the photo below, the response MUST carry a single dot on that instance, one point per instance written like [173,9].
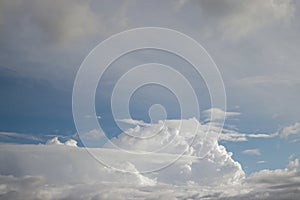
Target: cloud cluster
[290,131]
[55,141]
[64,171]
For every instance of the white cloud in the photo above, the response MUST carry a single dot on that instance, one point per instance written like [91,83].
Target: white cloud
[187,137]
[56,141]
[63,172]
[19,135]
[253,152]
[235,136]
[289,131]
[93,134]
[232,136]
[133,122]
[215,114]
[71,143]
[57,172]
[261,162]
[262,135]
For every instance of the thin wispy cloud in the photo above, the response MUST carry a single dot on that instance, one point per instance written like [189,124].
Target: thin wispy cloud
[252,152]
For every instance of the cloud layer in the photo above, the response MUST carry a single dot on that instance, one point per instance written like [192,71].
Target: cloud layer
[60,170]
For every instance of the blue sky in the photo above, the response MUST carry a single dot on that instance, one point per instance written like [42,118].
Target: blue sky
[255,46]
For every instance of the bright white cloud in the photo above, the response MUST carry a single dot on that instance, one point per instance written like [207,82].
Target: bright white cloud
[175,137]
[62,172]
[59,171]
[55,141]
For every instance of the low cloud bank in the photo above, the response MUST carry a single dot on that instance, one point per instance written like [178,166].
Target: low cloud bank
[204,171]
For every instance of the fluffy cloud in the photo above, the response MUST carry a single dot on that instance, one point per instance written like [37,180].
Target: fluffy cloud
[62,172]
[274,184]
[55,141]
[290,131]
[201,154]
[59,171]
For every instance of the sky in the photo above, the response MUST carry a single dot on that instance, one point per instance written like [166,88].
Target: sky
[255,45]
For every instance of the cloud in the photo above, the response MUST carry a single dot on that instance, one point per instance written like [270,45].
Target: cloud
[59,171]
[215,114]
[174,138]
[249,16]
[89,116]
[235,136]
[290,131]
[186,137]
[61,22]
[133,122]
[19,135]
[262,135]
[260,80]
[261,162]
[93,138]
[236,20]
[55,141]
[253,152]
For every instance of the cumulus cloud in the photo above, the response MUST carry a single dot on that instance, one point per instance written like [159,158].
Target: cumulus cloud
[59,164]
[275,184]
[290,131]
[58,171]
[62,172]
[201,153]
[253,152]
[56,141]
